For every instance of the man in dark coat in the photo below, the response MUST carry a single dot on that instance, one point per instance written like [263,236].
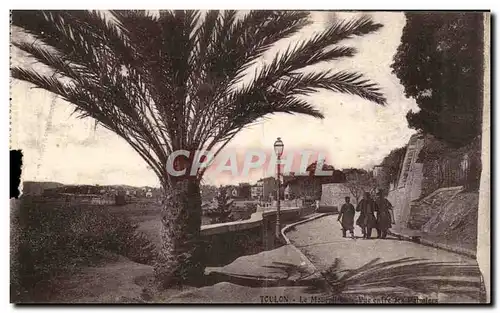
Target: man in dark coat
[346,217]
[367,220]
[384,216]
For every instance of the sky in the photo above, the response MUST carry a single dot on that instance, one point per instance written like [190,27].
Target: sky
[57,146]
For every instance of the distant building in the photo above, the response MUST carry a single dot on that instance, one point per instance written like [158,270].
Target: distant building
[244,191]
[269,188]
[265,189]
[256,190]
[302,187]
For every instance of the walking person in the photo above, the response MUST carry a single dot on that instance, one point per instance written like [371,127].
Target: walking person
[346,217]
[384,215]
[367,220]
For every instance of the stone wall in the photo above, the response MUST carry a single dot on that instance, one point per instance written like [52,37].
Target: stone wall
[430,165]
[423,210]
[294,203]
[449,214]
[409,185]
[398,198]
[226,242]
[334,195]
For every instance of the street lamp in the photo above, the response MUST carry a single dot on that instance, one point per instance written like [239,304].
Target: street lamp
[278,149]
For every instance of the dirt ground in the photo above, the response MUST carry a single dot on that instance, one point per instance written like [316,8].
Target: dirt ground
[117,280]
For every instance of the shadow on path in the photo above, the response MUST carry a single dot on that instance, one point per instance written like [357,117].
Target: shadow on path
[348,239]
[406,280]
[290,275]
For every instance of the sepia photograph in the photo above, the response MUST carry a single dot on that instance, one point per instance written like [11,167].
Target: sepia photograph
[250,157]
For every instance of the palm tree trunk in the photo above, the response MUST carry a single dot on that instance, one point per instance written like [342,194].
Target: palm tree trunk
[180,255]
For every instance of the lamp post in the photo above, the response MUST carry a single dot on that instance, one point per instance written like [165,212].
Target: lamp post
[278,149]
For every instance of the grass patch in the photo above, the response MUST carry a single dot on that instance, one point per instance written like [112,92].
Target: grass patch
[55,238]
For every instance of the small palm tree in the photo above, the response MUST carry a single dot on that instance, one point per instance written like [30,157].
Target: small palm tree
[173,80]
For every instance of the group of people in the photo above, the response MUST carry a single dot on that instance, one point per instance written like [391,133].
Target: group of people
[374,213]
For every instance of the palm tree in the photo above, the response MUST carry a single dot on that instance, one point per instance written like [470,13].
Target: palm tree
[175,80]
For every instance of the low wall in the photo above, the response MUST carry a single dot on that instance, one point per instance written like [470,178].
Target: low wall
[333,195]
[226,242]
[294,203]
[328,209]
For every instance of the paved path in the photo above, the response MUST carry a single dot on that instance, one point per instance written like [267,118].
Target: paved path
[449,278]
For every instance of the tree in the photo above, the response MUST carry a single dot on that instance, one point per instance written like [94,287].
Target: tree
[392,164]
[222,212]
[358,182]
[208,192]
[244,190]
[440,64]
[177,80]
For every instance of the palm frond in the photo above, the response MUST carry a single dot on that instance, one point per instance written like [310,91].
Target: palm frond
[50,84]
[49,58]
[235,45]
[167,81]
[109,106]
[252,35]
[312,51]
[249,104]
[405,277]
[281,81]
[81,38]
[343,82]
[163,59]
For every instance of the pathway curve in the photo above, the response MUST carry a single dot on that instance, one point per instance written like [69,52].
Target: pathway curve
[413,270]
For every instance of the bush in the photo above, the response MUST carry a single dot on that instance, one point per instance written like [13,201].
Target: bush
[54,239]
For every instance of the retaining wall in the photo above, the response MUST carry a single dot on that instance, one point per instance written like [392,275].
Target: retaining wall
[226,242]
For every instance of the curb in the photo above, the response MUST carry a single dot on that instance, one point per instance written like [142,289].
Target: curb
[254,282]
[244,280]
[302,255]
[425,242]
[287,227]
